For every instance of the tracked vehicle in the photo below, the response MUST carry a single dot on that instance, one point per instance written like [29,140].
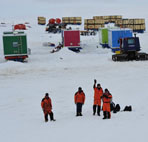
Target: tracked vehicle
[129,50]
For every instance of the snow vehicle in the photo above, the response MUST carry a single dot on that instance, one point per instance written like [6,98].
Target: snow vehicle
[129,50]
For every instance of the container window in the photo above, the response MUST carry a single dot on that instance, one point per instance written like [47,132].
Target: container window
[15,44]
[131,41]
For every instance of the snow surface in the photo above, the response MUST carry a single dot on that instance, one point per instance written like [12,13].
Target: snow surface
[23,85]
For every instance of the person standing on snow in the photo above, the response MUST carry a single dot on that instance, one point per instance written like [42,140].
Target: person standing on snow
[98,92]
[107,97]
[47,108]
[79,99]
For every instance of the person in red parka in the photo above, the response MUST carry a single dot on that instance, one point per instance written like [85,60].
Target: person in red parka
[46,105]
[79,99]
[107,97]
[98,92]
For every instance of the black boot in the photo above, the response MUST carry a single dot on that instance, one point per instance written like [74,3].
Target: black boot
[46,117]
[98,110]
[104,113]
[81,114]
[77,114]
[108,115]
[94,109]
[51,117]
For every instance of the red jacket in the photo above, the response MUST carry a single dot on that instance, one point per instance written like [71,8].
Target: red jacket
[97,96]
[46,105]
[98,93]
[79,97]
[107,98]
[106,101]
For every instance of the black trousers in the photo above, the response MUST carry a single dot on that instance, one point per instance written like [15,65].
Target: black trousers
[106,115]
[79,108]
[51,116]
[98,109]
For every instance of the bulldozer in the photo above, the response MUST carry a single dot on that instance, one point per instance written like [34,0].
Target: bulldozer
[129,50]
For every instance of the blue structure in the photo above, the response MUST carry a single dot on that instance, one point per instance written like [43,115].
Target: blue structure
[114,36]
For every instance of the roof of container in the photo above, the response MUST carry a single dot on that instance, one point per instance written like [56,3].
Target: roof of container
[120,29]
[14,33]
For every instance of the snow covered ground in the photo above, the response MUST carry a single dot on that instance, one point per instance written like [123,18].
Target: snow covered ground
[23,85]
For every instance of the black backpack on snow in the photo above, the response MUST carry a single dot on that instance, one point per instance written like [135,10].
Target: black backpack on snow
[112,106]
[128,108]
[117,108]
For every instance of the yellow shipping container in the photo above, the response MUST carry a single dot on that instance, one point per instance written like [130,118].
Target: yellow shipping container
[78,22]
[119,17]
[118,22]
[98,26]
[65,18]
[91,26]
[102,25]
[42,20]
[85,21]
[98,17]
[99,21]
[78,18]
[72,18]
[90,21]
[143,21]
[85,26]
[131,21]
[66,22]
[142,27]
[125,21]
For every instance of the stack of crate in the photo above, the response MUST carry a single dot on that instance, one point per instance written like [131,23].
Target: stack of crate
[137,25]
[112,19]
[109,19]
[98,21]
[41,20]
[93,24]
[72,20]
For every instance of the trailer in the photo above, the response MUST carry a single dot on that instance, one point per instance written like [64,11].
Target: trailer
[114,35]
[71,39]
[15,46]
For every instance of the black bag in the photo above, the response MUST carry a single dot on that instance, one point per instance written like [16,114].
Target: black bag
[117,108]
[112,106]
[128,108]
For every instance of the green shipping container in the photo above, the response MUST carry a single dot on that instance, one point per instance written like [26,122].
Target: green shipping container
[103,36]
[15,44]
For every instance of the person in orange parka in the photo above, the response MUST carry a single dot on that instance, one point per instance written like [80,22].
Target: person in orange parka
[47,107]
[106,104]
[79,99]
[98,92]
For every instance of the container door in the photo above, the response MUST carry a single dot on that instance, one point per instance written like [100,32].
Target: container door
[72,38]
[105,36]
[23,45]
[11,45]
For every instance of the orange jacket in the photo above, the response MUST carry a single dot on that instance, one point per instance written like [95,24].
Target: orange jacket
[106,101]
[46,105]
[98,93]
[79,97]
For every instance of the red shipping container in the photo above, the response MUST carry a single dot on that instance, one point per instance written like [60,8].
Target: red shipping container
[71,38]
